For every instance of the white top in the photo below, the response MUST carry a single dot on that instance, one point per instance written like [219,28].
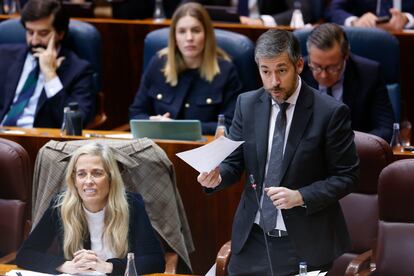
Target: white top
[280,224]
[96,227]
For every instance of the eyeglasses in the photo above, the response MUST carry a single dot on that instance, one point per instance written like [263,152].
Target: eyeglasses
[94,174]
[331,69]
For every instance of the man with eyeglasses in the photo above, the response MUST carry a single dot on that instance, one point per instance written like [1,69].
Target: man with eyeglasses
[351,79]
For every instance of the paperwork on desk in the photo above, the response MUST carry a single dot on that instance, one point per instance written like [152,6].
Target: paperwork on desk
[21,272]
[207,157]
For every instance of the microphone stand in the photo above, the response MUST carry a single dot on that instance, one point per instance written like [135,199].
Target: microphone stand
[253,184]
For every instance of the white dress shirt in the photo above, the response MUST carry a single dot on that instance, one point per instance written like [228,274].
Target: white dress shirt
[280,224]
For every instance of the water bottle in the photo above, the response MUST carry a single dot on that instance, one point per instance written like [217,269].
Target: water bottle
[303,269]
[130,268]
[63,129]
[297,17]
[72,120]
[396,140]
[221,129]
[159,14]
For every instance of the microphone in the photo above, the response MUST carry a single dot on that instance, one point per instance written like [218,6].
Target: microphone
[254,186]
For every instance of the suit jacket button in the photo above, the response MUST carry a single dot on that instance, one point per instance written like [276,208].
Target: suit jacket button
[187,105]
[209,101]
[159,96]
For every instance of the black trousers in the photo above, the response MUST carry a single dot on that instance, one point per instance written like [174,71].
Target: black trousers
[253,260]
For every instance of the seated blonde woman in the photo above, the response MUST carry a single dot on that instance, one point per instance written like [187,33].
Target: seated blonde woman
[191,78]
[95,223]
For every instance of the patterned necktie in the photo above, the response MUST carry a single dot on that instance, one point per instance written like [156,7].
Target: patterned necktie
[269,211]
[383,7]
[243,7]
[28,89]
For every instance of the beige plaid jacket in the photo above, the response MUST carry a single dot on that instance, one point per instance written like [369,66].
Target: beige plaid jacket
[145,169]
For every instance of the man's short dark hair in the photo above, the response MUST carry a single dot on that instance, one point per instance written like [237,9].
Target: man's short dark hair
[39,9]
[326,35]
[274,43]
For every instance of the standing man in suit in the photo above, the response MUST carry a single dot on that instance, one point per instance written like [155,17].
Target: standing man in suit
[39,79]
[365,13]
[268,13]
[356,81]
[299,147]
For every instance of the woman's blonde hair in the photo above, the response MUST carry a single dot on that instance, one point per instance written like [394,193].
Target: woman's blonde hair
[175,63]
[116,221]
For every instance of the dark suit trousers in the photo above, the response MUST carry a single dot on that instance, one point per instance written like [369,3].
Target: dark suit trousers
[252,259]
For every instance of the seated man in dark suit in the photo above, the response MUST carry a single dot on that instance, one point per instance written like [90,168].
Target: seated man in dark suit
[39,79]
[365,13]
[354,80]
[265,12]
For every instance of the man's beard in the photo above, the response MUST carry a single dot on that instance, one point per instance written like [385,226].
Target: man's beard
[32,47]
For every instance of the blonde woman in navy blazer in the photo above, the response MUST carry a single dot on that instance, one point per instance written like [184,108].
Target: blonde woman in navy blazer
[190,79]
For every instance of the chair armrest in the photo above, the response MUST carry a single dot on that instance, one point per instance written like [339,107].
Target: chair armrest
[361,265]
[222,259]
[9,258]
[171,262]
[124,127]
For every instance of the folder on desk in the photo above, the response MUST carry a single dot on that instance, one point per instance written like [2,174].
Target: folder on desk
[189,130]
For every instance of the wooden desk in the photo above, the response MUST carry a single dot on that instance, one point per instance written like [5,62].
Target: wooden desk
[210,216]
[398,155]
[4,268]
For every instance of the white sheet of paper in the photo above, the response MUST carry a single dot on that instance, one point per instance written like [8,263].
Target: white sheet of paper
[16,272]
[207,157]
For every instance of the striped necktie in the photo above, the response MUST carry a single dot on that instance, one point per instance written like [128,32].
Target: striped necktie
[269,211]
[16,110]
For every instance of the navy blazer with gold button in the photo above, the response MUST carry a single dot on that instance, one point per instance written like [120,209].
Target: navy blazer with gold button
[192,98]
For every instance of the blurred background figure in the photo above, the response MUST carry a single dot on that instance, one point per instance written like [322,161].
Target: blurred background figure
[390,15]
[95,222]
[266,12]
[190,79]
[141,9]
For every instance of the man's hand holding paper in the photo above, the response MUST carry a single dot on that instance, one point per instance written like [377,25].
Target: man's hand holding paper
[207,158]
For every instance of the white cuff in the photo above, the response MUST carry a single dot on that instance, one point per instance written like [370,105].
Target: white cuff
[53,86]
[410,23]
[348,22]
[268,20]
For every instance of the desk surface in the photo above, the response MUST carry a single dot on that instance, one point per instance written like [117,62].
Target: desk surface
[398,155]
[4,268]
[210,217]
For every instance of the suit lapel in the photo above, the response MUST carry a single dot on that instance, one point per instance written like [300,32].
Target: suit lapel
[13,77]
[302,114]
[261,128]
